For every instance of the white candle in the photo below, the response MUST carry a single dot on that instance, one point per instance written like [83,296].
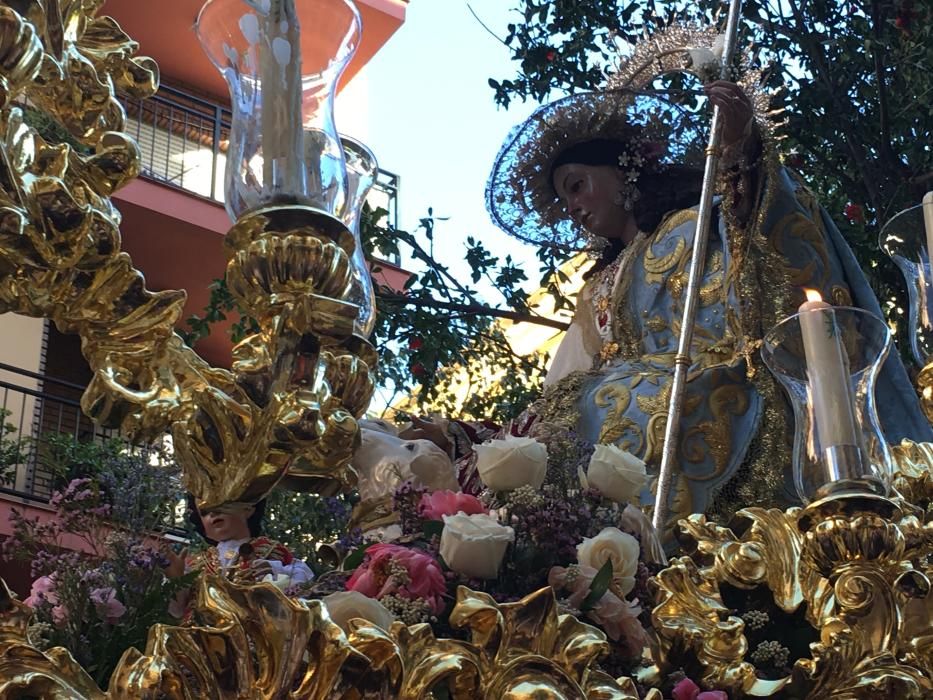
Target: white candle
[828,373]
[928,222]
[280,75]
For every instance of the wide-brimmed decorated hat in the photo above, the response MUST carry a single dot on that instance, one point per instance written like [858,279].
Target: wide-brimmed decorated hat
[660,129]
[520,196]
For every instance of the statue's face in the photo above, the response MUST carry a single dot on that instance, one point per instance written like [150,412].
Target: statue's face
[589,193]
[222,526]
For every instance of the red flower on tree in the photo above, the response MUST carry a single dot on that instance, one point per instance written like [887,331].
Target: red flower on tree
[854,213]
[414,343]
[550,56]
[418,370]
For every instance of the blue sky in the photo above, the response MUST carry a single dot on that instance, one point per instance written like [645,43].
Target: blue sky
[433,121]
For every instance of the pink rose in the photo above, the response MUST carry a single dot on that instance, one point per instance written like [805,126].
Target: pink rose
[422,578]
[434,506]
[688,690]
[617,617]
[108,607]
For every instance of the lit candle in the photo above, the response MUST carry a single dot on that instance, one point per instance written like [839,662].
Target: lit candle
[828,373]
[928,222]
[280,75]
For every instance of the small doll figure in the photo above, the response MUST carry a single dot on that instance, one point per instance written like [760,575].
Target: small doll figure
[238,549]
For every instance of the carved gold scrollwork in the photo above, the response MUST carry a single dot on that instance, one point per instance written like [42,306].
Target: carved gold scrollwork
[252,641]
[850,564]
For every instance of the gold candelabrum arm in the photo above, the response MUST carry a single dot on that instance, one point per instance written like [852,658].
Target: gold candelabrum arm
[290,401]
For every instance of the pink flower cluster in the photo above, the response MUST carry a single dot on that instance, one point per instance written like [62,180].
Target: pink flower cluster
[688,690]
[375,579]
[617,616]
[434,506]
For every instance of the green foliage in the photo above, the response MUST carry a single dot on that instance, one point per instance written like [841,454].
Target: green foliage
[304,521]
[220,304]
[858,80]
[598,587]
[441,330]
[14,449]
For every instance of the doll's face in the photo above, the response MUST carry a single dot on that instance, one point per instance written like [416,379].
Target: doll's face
[220,525]
[589,193]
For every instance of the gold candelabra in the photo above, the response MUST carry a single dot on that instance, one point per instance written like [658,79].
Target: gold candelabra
[856,569]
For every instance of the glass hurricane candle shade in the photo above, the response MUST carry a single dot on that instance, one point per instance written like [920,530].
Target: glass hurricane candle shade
[281,60]
[903,238]
[361,175]
[838,448]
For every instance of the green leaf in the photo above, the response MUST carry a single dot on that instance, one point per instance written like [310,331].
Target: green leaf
[598,587]
[432,528]
[355,559]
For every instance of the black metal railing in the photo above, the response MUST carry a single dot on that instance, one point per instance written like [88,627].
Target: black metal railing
[38,413]
[183,140]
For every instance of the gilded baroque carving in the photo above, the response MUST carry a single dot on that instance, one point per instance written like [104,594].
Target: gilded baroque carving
[296,387]
[856,570]
[254,641]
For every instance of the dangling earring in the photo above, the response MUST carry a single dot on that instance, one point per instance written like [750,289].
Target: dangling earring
[618,199]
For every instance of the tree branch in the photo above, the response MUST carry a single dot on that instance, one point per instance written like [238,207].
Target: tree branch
[478,309]
[426,257]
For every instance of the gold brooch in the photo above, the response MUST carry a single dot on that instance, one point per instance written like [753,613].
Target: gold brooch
[610,350]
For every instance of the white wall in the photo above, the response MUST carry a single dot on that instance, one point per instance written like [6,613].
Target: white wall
[20,346]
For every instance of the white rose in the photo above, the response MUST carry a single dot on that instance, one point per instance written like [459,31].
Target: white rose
[349,605]
[613,545]
[505,465]
[619,475]
[473,545]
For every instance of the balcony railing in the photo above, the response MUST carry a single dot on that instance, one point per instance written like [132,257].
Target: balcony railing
[38,413]
[183,140]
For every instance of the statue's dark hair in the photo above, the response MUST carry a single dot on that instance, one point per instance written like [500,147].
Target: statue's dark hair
[672,188]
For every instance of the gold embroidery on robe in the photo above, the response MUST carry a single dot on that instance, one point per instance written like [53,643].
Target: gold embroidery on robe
[655,266]
[616,397]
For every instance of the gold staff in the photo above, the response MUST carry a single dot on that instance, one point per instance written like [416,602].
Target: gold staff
[682,360]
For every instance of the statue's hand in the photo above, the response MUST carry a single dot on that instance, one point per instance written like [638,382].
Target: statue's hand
[736,110]
[426,429]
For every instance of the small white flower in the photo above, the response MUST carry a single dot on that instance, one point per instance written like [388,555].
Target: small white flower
[623,160]
[632,175]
